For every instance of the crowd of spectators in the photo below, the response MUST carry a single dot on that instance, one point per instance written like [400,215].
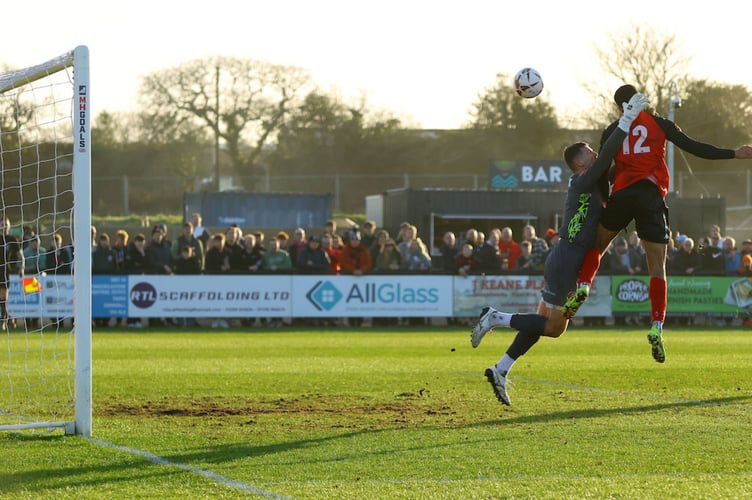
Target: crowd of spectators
[371,250]
[712,255]
[499,253]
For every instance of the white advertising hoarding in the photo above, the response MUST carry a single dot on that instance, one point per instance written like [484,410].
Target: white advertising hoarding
[372,296]
[231,296]
[519,294]
[53,300]
[307,296]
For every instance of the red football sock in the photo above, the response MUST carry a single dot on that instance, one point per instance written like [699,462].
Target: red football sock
[590,265]
[658,299]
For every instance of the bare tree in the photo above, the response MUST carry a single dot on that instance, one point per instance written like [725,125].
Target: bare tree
[645,57]
[14,116]
[240,101]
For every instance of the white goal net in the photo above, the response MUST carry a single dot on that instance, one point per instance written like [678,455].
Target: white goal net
[45,246]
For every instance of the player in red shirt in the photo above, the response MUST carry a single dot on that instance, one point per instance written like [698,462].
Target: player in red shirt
[638,193]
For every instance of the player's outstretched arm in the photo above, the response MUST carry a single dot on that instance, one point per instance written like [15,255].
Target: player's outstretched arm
[743,152]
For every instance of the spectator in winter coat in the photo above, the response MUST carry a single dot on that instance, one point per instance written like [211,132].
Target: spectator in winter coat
[295,245]
[417,259]
[135,259]
[187,238]
[103,258]
[120,246]
[732,258]
[687,261]
[103,261]
[624,260]
[275,260]
[355,258]
[313,259]
[34,256]
[187,263]
[389,259]
[252,253]
[538,248]
[159,253]
[525,261]
[509,250]
[199,231]
[59,258]
[467,264]
[488,255]
[235,250]
[448,252]
[378,244]
[712,262]
[327,243]
[217,260]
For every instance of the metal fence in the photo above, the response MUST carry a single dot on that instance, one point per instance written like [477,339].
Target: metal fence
[128,195]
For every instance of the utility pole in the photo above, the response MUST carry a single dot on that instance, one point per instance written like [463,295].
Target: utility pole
[674,101]
[216,131]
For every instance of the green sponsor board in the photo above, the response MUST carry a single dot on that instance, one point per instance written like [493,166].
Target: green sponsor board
[686,294]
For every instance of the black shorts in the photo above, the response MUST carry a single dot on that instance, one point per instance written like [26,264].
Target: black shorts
[561,271]
[643,203]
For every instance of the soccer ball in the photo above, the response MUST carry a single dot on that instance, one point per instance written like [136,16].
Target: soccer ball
[528,83]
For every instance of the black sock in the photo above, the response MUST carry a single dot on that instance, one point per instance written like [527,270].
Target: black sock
[522,343]
[532,323]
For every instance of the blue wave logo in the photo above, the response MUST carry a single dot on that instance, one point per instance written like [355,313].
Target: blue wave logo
[504,182]
[324,295]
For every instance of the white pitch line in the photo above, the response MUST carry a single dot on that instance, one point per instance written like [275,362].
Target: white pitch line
[203,472]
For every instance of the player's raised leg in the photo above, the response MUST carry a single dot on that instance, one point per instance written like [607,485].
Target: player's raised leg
[490,318]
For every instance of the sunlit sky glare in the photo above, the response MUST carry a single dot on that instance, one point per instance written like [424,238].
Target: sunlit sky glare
[423,61]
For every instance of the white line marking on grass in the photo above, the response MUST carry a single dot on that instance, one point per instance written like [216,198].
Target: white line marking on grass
[203,472]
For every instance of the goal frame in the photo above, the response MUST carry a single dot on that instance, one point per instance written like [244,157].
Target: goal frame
[81,115]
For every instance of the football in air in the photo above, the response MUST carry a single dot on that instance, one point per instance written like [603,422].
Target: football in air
[528,83]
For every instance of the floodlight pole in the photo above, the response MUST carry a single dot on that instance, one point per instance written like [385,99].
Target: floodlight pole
[674,101]
[216,132]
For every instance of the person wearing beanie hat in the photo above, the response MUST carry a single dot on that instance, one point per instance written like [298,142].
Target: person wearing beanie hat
[312,258]
[355,259]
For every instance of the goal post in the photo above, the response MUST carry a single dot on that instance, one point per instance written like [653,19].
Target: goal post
[45,195]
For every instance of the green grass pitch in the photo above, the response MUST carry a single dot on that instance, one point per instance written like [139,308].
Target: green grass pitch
[400,413]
